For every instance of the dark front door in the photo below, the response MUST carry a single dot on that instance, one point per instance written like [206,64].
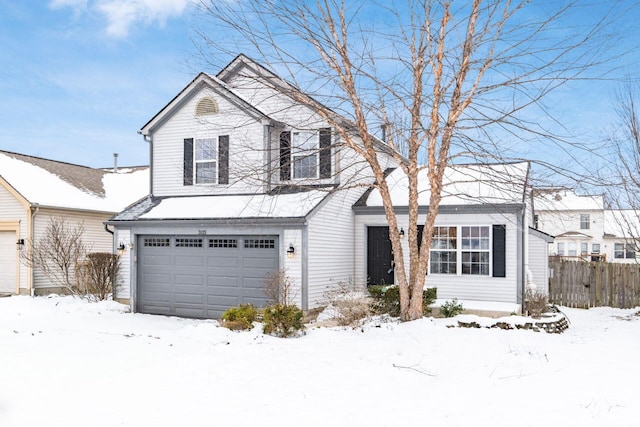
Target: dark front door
[379,256]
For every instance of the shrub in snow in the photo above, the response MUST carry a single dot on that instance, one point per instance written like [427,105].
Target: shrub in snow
[535,303]
[240,317]
[279,288]
[100,272]
[451,308]
[386,300]
[348,304]
[282,320]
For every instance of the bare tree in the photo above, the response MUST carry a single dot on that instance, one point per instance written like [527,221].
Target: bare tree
[624,182]
[57,253]
[447,80]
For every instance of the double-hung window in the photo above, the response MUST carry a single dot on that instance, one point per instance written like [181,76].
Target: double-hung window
[467,250]
[561,248]
[584,248]
[443,256]
[475,250]
[584,221]
[206,160]
[305,155]
[622,250]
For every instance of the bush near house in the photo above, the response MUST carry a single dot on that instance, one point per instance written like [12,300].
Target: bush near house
[386,300]
[451,308]
[282,320]
[240,317]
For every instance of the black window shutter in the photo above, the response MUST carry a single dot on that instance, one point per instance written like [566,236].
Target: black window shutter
[499,250]
[285,156]
[325,153]
[223,159]
[188,161]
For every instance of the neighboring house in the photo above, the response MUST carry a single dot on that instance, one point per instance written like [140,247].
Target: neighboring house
[244,182]
[584,228]
[35,190]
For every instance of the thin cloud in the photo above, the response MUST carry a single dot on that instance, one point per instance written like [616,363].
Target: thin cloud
[122,15]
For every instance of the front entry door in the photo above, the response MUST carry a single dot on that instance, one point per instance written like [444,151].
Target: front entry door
[379,256]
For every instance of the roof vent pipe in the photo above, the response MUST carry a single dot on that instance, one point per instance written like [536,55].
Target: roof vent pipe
[383,129]
[115,162]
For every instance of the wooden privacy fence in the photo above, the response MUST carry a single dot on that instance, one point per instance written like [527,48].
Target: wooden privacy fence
[594,284]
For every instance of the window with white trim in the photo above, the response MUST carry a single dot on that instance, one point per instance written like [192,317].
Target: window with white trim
[561,248]
[584,221]
[206,160]
[622,251]
[572,249]
[304,154]
[584,248]
[475,250]
[443,254]
[595,248]
[466,250]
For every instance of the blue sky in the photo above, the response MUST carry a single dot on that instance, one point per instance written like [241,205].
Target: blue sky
[79,78]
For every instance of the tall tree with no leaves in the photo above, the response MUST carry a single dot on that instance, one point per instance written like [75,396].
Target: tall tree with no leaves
[446,79]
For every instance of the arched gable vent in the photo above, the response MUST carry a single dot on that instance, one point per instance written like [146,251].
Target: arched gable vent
[206,106]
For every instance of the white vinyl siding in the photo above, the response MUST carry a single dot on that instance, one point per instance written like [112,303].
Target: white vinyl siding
[12,212]
[538,262]
[246,150]
[475,288]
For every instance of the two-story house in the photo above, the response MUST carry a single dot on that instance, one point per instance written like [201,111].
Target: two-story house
[584,228]
[248,178]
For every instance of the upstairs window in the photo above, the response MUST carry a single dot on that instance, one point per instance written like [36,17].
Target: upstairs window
[305,154]
[206,160]
[584,221]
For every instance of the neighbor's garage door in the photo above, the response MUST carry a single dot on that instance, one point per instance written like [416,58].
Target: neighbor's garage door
[202,276]
[7,262]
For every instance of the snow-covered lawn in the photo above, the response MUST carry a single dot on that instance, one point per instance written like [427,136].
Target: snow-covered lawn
[64,362]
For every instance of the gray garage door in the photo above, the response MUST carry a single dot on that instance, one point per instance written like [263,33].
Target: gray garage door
[202,276]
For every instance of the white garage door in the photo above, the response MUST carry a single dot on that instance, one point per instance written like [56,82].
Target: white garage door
[202,276]
[8,254]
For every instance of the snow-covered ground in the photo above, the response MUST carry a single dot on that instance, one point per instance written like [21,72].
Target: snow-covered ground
[64,362]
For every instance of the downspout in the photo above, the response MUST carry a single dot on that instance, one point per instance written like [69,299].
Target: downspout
[32,234]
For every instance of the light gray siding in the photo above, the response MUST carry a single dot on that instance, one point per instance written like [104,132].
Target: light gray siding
[246,148]
[475,288]
[95,236]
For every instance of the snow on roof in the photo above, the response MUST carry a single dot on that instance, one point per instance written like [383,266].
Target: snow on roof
[462,185]
[622,223]
[237,206]
[563,199]
[63,185]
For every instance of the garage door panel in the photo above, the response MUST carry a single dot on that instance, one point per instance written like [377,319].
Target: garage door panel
[163,260]
[225,281]
[202,277]
[187,260]
[223,261]
[188,279]
[156,279]
[188,298]
[196,312]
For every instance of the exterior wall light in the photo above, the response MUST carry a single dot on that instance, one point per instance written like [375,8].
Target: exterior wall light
[291,251]
[20,244]
[121,248]
[401,232]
